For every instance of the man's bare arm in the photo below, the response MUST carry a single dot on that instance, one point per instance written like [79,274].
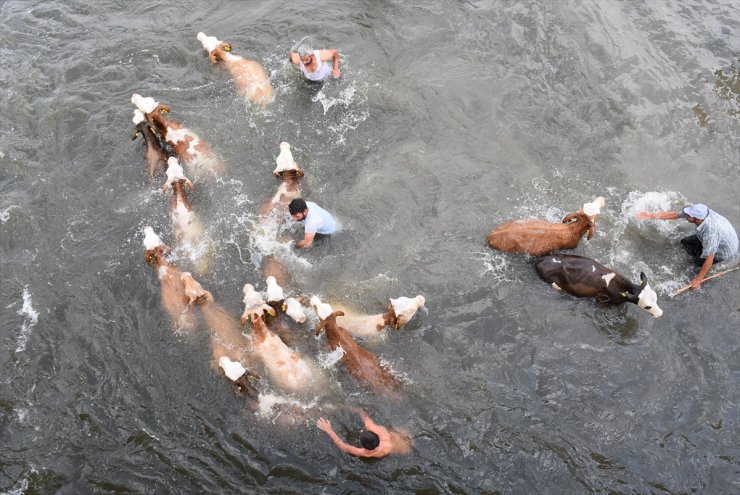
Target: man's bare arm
[306,241]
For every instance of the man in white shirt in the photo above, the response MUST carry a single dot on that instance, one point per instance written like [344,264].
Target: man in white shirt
[318,220]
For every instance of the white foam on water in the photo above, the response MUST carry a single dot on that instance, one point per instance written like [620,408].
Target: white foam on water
[329,360]
[5,214]
[31,318]
[267,402]
[265,240]
[495,265]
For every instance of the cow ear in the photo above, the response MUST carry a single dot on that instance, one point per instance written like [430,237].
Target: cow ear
[320,327]
[591,230]
[643,279]
[568,218]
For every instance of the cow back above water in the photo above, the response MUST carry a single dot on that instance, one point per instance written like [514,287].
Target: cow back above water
[584,277]
[538,237]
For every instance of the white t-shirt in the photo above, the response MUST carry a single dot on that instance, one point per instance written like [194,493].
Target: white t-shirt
[318,220]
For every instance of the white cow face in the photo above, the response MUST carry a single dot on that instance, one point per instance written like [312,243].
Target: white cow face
[285,159]
[145,105]
[594,207]
[323,310]
[210,43]
[151,240]
[405,308]
[648,300]
[274,291]
[295,310]
[232,369]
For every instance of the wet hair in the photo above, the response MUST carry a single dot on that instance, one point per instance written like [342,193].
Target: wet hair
[304,50]
[369,440]
[298,205]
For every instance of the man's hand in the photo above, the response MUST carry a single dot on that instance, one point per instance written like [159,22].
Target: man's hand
[696,283]
[324,424]
[335,73]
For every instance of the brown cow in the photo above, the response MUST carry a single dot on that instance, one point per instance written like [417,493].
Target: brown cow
[538,237]
[227,342]
[156,157]
[174,300]
[249,76]
[186,226]
[189,148]
[361,363]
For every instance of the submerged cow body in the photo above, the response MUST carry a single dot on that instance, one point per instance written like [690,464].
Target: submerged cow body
[174,299]
[156,156]
[539,237]
[188,147]
[584,277]
[249,76]
[361,363]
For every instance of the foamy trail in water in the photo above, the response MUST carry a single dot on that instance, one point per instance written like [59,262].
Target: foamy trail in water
[31,318]
[495,265]
[5,214]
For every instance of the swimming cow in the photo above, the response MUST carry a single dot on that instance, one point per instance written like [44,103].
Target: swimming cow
[249,76]
[584,277]
[538,237]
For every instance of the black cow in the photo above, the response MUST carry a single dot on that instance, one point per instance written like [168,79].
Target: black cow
[584,277]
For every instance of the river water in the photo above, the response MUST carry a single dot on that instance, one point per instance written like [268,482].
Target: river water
[448,119]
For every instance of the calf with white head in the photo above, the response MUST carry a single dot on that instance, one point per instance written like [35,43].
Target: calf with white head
[249,76]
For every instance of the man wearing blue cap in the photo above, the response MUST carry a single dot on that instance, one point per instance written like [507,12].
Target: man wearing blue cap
[715,239]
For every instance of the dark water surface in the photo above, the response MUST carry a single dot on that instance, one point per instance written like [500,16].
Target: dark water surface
[449,118]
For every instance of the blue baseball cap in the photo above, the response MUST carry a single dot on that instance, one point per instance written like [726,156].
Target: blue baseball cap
[698,210]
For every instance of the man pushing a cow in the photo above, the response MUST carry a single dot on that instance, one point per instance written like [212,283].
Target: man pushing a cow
[715,239]
[318,220]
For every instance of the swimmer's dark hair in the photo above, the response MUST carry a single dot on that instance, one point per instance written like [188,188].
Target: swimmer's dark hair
[369,440]
[298,205]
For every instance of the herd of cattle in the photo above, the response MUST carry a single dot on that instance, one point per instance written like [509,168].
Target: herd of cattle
[275,318]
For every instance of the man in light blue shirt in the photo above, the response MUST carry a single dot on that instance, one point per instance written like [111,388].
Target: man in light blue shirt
[715,239]
[318,220]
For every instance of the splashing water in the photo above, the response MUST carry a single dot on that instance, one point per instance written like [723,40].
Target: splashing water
[329,360]
[495,265]
[5,214]
[32,317]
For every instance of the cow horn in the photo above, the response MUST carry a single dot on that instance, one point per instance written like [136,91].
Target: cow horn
[643,279]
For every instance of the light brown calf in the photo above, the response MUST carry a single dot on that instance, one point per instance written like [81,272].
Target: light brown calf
[538,237]
[249,76]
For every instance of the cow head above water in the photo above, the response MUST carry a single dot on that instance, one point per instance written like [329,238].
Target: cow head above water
[589,213]
[285,161]
[254,305]
[647,298]
[216,49]
[294,309]
[144,105]
[405,308]
[175,173]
